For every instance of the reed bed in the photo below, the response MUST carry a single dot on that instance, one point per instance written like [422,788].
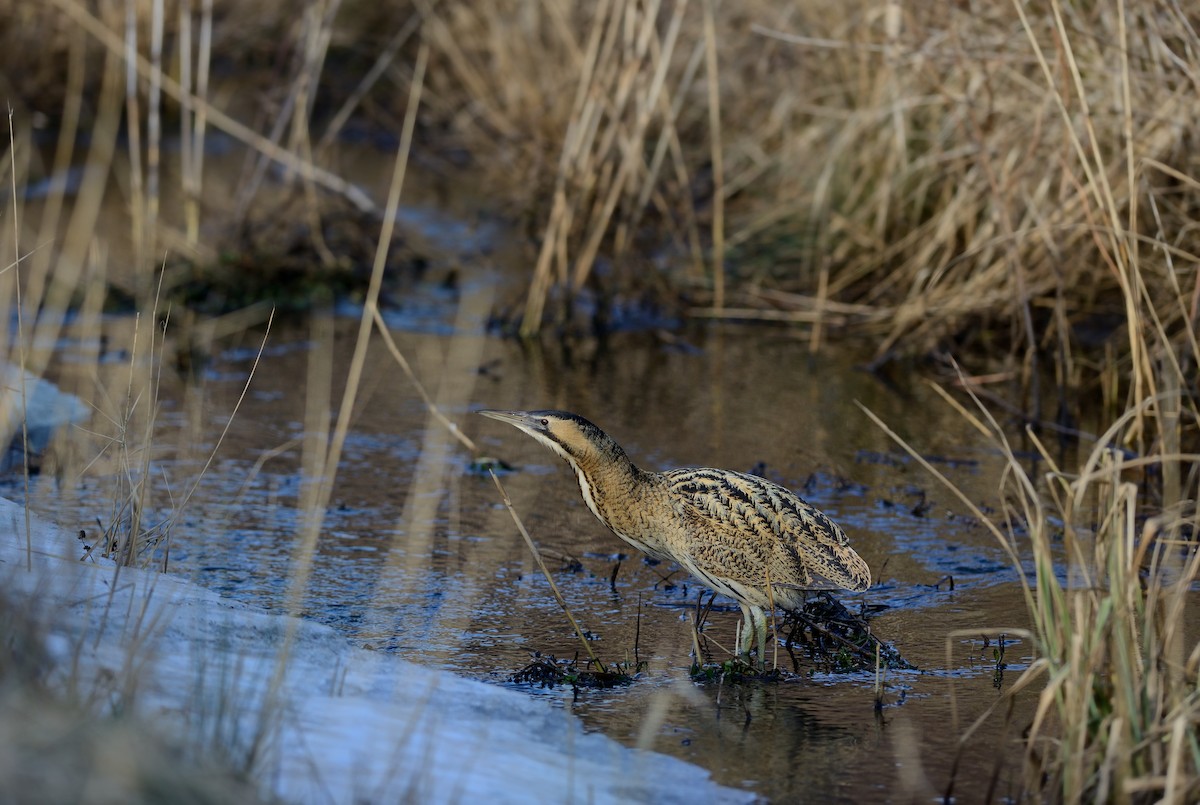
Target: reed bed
[981,178]
[1113,544]
[1110,599]
[1015,184]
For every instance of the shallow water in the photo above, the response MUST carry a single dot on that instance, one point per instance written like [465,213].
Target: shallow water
[417,555]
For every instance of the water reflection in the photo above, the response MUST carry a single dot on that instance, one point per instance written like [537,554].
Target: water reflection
[417,556]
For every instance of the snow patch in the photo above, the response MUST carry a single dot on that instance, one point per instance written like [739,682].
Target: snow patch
[333,723]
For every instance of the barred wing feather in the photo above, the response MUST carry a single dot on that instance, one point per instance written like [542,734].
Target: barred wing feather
[750,527]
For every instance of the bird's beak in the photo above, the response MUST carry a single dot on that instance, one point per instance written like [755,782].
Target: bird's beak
[533,424]
[517,418]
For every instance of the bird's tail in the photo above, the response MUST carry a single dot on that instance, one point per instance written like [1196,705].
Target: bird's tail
[840,565]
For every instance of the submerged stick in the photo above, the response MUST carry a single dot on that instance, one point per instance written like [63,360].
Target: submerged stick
[430,405]
[542,565]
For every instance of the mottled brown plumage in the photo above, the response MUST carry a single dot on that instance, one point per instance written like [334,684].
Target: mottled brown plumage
[741,535]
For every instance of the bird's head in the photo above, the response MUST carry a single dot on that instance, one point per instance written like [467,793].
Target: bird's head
[569,435]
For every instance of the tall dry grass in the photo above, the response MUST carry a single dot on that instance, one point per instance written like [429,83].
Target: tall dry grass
[983,178]
[1111,600]
[1113,595]
[978,176]
[1014,182]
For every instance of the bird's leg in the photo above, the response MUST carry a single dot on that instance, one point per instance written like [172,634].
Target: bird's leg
[754,632]
[760,632]
[746,637]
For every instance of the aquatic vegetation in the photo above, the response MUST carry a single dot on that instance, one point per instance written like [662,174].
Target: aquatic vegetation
[833,638]
[547,671]
[1113,584]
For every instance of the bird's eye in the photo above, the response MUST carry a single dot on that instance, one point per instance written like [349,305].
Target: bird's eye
[545,423]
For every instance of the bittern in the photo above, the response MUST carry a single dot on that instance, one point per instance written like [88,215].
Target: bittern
[741,535]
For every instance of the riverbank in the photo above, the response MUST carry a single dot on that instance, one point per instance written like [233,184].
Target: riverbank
[321,720]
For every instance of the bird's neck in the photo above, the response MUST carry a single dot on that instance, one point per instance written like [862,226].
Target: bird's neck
[604,478]
[624,498]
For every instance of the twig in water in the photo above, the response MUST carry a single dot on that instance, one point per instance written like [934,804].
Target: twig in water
[637,635]
[699,661]
[878,679]
[425,398]
[553,587]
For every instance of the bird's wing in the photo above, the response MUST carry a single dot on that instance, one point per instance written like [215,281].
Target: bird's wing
[758,527]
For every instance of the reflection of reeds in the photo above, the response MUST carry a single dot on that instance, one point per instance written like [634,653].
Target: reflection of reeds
[323,448]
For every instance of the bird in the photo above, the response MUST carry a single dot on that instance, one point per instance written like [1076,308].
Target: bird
[741,535]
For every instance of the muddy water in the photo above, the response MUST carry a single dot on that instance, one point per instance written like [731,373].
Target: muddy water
[418,557]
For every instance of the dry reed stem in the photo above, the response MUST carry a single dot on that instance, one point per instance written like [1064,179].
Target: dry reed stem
[153,130]
[718,165]
[430,406]
[128,47]
[187,176]
[195,121]
[216,117]
[12,152]
[545,572]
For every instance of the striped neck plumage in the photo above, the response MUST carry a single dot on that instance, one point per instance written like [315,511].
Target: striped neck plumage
[599,462]
[601,474]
